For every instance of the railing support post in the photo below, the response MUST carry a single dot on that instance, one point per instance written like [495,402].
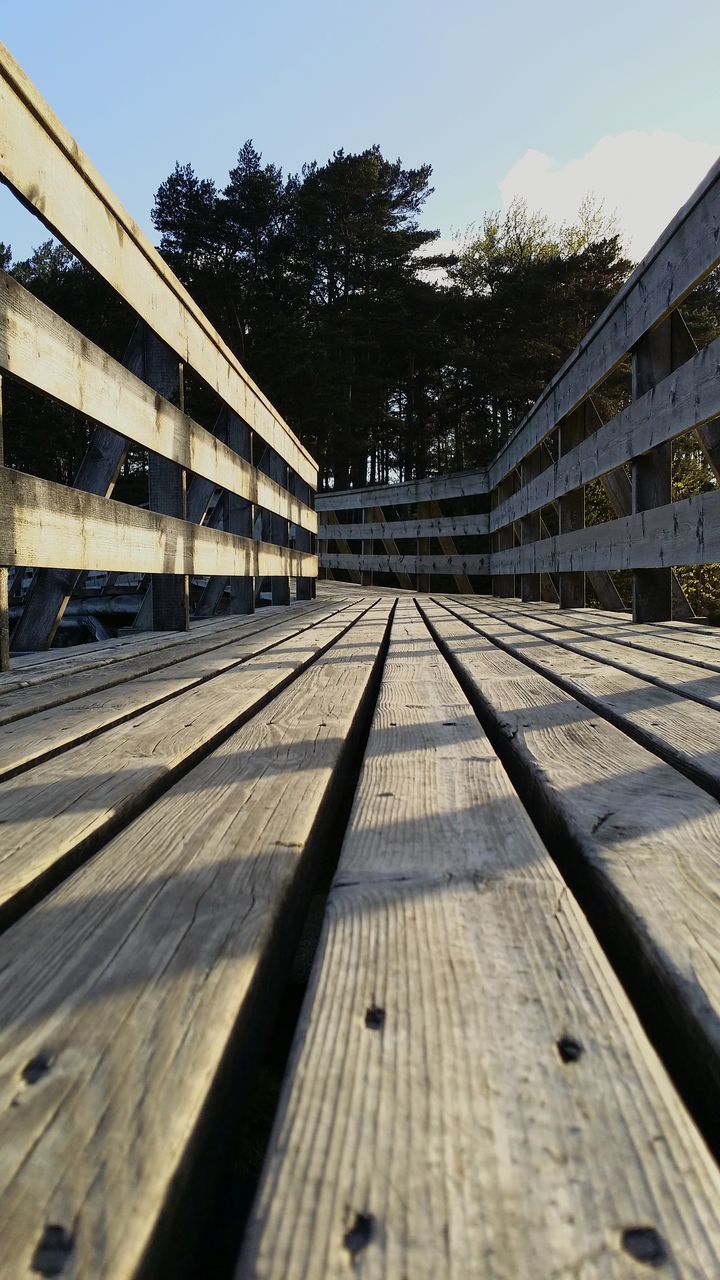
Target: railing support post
[240,513]
[304,587]
[530,468]
[167,492]
[274,528]
[503,584]
[4,597]
[366,546]
[652,474]
[571,508]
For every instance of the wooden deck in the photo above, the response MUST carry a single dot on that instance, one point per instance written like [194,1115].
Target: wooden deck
[510,1043]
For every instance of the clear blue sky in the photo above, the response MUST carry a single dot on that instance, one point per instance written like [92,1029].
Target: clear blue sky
[467,85]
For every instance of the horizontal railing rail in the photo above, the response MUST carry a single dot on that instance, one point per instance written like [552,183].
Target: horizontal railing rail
[264,520]
[535,486]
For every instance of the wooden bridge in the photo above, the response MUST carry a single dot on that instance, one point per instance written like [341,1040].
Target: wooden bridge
[374,934]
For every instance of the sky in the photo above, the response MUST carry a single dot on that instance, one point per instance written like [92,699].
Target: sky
[548,101]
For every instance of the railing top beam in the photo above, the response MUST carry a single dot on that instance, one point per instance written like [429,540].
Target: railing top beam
[685,253]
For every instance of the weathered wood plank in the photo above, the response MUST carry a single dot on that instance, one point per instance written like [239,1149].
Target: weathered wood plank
[650,869]
[154,964]
[43,164]
[652,473]
[687,250]
[689,396]
[428,1126]
[409,564]
[460,484]
[684,532]
[85,706]
[391,549]
[167,488]
[684,732]
[44,351]
[51,525]
[38,690]
[438,526]
[57,811]
[4,596]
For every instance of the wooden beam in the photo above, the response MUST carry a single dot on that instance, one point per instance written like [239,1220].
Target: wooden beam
[461,484]
[97,473]
[44,351]
[652,474]
[407,565]
[571,508]
[43,164]
[304,587]
[684,532]
[447,541]
[437,526]
[503,584]
[686,252]
[4,597]
[167,488]
[390,545]
[51,525]
[239,513]
[530,467]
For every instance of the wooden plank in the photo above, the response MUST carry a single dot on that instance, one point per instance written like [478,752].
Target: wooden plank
[45,167]
[460,484]
[530,467]
[343,545]
[652,474]
[682,731]
[686,252]
[683,677]
[629,861]
[503,584]
[156,965]
[684,532]
[571,508]
[4,596]
[167,488]
[42,350]
[87,707]
[59,811]
[410,564]
[428,1126]
[447,543]
[304,587]
[37,691]
[54,526]
[689,645]
[391,549]
[438,526]
[98,472]
[686,398]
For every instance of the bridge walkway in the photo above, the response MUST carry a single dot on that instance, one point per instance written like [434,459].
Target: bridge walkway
[507,1061]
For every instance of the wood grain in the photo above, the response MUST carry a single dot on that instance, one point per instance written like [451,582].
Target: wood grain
[428,1126]
[153,962]
[43,164]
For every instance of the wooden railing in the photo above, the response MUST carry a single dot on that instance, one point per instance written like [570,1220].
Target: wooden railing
[562,445]
[251,454]
[409,522]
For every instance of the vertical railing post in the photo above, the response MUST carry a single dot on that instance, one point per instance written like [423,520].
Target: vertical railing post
[304,587]
[4,597]
[652,473]
[423,547]
[504,583]
[530,467]
[366,549]
[571,507]
[275,528]
[167,488]
[240,513]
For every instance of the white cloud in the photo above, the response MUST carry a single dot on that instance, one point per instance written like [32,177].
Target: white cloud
[642,177]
